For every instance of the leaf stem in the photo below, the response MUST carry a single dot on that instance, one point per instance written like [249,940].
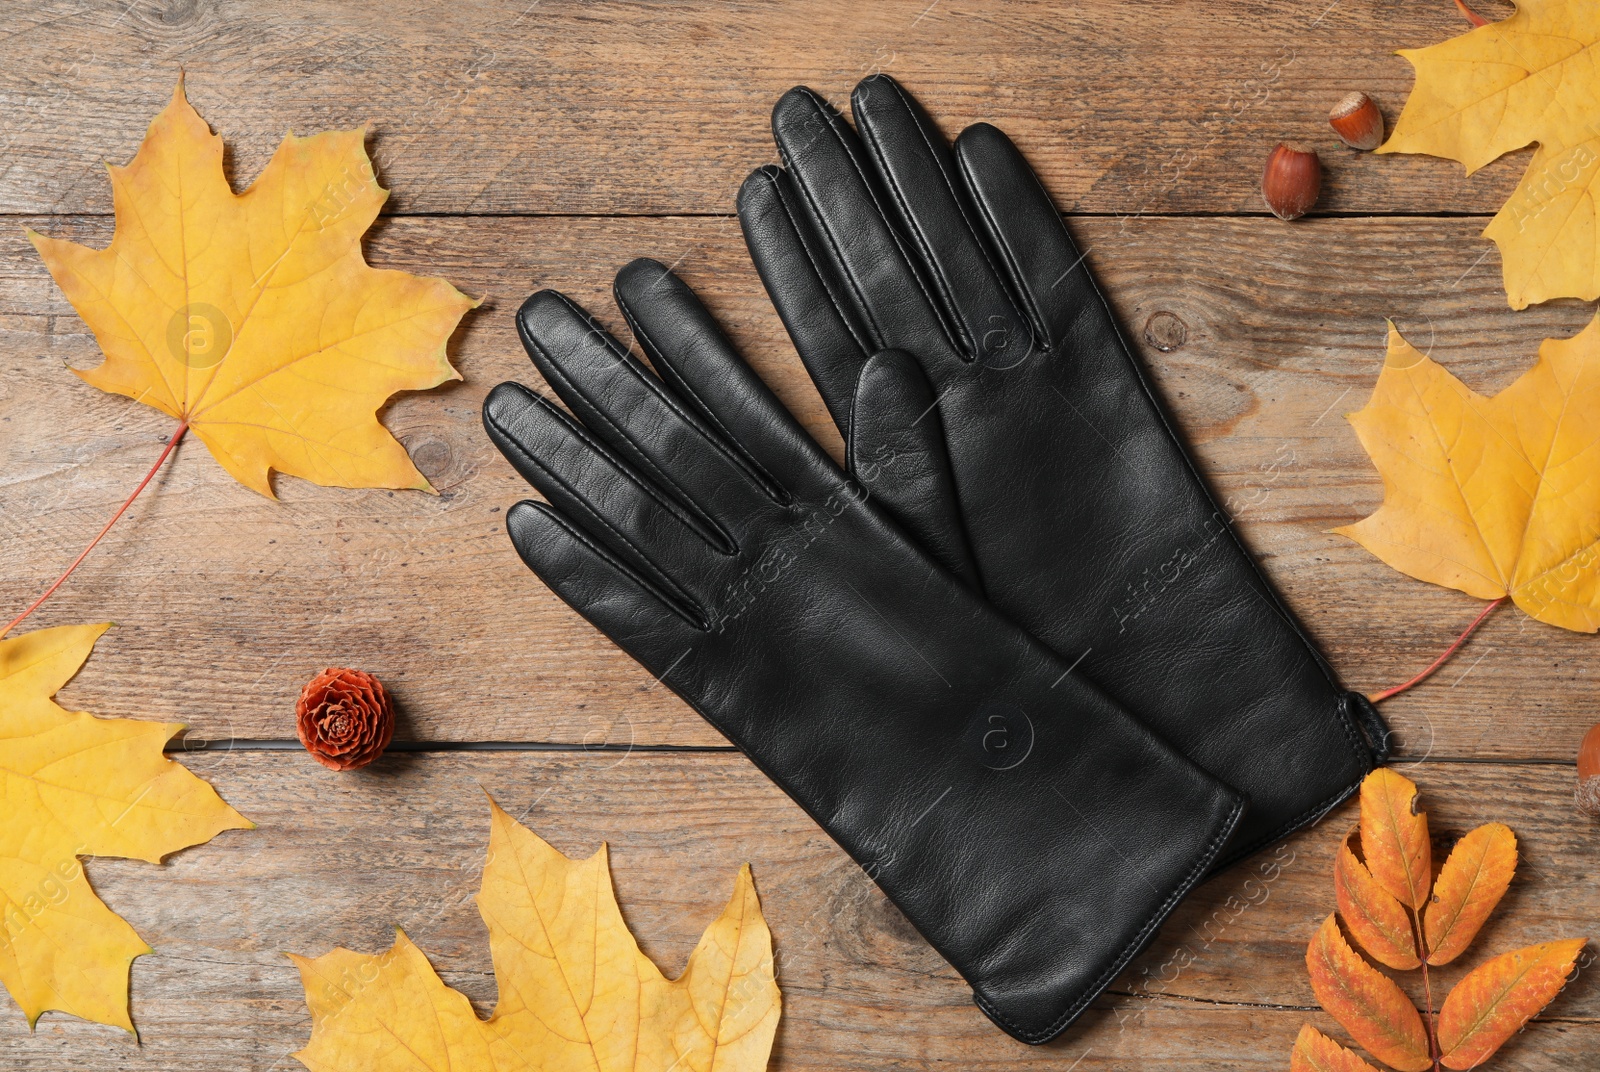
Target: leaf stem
[183,426]
[1379,697]
[1472,16]
[1427,988]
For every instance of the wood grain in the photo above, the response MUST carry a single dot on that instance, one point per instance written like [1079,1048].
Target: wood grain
[343,859]
[1260,336]
[634,106]
[546,143]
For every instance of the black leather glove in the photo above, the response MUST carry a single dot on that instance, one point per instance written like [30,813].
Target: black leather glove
[1032,830]
[1024,448]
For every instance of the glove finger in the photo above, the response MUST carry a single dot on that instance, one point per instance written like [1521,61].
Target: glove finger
[856,242]
[705,373]
[615,598]
[623,404]
[916,168]
[602,495]
[831,340]
[1037,253]
[897,452]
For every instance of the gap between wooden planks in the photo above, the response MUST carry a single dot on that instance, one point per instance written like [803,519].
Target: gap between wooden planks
[1259,335]
[616,107]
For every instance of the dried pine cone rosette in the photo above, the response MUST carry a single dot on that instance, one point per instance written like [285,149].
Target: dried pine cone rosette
[344,718]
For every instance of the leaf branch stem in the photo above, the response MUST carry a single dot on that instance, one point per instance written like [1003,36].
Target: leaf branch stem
[1379,697]
[1472,16]
[183,426]
[1427,984]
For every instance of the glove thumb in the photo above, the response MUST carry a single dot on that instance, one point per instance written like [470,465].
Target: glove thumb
[896,450]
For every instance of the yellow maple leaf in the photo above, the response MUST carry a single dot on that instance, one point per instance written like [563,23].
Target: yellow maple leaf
[75,785]
[254,317]
[576,993]
[1530,78]
[1493,496]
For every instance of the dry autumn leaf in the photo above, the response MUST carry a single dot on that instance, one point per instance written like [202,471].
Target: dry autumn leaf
[1384,910]
[1525,79]
[1496,998]
[1377,921]
[1475,876]
[253,318]
[1498,88]
[1316,1052]
[1492,496]
[1366,1002]
[76,785]
[1394,837]
[576,993]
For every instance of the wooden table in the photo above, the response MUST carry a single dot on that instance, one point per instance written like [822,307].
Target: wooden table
[545,144]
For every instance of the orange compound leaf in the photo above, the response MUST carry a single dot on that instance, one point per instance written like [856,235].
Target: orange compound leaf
[1474,878]
[1316,1052]
[1496,998]
[1374,918]
[1366,1002]
[1394,837]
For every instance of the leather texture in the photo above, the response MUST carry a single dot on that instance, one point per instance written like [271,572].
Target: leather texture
[1069,498]
[1029,827]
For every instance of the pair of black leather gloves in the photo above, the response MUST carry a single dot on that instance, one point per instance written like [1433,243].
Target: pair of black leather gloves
[1015,661]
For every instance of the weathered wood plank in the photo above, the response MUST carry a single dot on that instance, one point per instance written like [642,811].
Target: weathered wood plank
[648,107]
[342,860]
[228,603]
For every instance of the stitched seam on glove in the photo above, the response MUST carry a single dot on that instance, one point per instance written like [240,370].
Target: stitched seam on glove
[1201,868]
[774,490]
[604,553]
[690,516]
[1013,270]
[1359,748]
[1364,755]
[1309,815]
[893,234]
[946,292]
[1372,724]
[1358,740]
[627,366]
[866,346]
[727,545]
[690,611]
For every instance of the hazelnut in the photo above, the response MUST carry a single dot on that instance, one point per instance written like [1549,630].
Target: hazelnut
[1588,795]
[1358,122]
[1291,182]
